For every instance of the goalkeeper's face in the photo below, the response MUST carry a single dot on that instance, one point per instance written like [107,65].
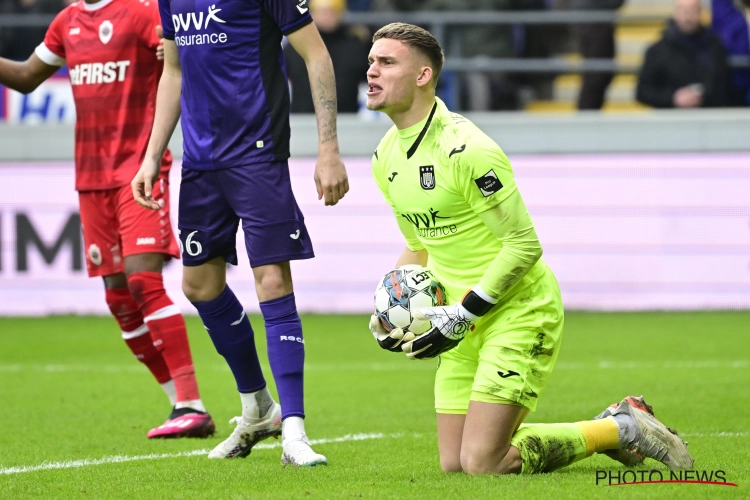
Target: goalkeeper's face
[396,72]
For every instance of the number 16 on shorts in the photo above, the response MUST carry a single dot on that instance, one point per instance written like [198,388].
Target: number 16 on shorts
[192,246]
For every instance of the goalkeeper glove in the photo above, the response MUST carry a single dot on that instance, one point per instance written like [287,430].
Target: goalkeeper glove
[450,324]
[389,341]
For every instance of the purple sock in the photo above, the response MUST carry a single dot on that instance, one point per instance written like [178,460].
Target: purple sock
[232,335]
[286,353]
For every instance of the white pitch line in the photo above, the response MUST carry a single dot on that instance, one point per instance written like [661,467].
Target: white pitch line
[117,459]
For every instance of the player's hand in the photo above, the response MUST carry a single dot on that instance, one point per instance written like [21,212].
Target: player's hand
[143,184]
[389,341]
[160,47]
[450,324]
[330,178]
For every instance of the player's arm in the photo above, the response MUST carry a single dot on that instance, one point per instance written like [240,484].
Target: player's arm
[511,223]
[414,252]
[409,256]
[165,120]
[25,76]
[330,174]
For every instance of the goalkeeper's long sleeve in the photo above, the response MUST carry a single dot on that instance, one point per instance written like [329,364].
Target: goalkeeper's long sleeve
[511,223]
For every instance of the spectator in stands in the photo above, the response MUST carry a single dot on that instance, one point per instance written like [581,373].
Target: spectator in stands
[18,42]
[482,90]
[730,22]
[688,67]
[348,47]
[595,40]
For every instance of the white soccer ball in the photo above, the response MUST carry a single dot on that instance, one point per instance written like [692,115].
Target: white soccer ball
[404,290]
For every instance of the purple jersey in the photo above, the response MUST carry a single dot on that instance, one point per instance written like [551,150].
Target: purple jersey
[235,98]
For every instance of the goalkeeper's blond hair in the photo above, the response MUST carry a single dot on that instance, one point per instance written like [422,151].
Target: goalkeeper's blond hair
[417,38]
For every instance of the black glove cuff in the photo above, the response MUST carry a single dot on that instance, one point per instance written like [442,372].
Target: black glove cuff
[475,304]
[390,344]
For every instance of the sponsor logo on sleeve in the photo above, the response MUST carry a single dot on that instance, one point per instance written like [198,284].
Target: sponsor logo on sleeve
[489,184]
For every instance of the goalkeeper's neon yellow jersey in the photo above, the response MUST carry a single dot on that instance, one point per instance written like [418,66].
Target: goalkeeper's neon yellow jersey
[438,175]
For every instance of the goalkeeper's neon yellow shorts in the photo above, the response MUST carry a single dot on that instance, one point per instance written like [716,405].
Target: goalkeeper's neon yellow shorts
[509,356]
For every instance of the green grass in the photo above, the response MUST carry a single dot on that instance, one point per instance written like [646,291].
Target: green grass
[70,390]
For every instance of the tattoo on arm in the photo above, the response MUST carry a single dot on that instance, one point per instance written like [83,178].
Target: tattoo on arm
[323,85]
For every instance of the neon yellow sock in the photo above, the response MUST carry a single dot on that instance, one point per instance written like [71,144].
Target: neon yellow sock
[600,435]
[548,447]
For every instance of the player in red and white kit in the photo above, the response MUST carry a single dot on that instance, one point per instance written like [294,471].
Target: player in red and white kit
[110,48]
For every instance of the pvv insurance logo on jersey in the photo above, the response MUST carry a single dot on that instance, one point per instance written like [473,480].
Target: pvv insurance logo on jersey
[200,22]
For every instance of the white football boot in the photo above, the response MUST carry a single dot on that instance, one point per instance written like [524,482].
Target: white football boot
[297,452]
[645,436]
[248,433]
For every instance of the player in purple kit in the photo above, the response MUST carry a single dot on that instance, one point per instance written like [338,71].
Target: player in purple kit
[224,71]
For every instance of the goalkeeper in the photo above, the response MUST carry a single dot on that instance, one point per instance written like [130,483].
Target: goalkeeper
[456,202]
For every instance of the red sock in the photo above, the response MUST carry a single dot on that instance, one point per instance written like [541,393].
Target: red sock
[168,330]
[135,333]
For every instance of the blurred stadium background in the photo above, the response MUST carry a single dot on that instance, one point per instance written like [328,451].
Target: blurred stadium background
[636,208]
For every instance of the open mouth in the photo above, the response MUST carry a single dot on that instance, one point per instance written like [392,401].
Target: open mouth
[373,89]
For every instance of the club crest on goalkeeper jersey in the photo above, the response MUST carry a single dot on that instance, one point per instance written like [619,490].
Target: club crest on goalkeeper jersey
[235,98]
[437,176]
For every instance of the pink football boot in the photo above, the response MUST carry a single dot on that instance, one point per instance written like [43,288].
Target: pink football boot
[184,422]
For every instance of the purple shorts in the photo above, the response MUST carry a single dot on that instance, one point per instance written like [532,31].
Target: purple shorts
[212,203]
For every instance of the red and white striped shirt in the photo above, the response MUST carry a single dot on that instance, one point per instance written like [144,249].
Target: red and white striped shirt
[110,50]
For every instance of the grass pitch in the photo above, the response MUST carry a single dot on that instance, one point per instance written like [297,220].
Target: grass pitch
[76,408]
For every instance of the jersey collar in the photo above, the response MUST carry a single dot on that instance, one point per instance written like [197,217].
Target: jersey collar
[408,132]
[95,6]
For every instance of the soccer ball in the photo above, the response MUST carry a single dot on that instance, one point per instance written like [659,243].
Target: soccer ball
[404,290]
